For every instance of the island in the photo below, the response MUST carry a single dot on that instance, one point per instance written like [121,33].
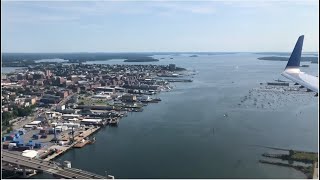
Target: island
[193,56]
[30,59]
[141,60]
[303,161]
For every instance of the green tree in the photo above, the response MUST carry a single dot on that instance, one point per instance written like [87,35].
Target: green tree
[291,152]
[9,129]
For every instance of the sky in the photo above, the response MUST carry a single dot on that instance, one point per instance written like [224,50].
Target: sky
[158,26]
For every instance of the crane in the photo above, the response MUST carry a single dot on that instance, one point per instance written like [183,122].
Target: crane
[48,123]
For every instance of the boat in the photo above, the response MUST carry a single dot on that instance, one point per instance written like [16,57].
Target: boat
[93,140]
[114,122]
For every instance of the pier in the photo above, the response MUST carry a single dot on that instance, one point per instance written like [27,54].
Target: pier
[78,139]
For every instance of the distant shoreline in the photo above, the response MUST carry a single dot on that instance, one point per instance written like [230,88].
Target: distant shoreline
[280,58]
[141,60]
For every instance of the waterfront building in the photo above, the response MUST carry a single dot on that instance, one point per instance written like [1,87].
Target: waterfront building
[32,100]
[48,73]
[91,121]
[129,98]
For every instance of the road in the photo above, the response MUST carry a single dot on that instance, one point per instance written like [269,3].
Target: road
[47,166]
[29,119]
[25,120]
[315,171]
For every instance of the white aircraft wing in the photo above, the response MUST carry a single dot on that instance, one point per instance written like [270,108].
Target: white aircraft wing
[293,72]
[306,80]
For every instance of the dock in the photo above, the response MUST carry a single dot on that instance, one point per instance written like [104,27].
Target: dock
[81,144]
[77,139]
[86,133]
[58,153]
[113,122]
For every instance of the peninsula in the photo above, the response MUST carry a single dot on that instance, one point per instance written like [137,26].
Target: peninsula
[281,58]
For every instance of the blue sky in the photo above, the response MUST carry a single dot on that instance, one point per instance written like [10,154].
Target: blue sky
[158,26]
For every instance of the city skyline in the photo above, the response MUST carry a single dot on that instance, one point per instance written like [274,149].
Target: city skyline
[158,26]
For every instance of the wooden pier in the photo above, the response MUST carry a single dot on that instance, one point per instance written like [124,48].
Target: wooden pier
[81,144]
[77,139]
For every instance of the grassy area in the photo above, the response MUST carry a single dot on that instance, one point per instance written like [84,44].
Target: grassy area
[305,156]
[90,101]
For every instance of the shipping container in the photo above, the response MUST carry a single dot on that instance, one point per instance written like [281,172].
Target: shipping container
[22,148]
[37,145]
[44,136]
[12,145]
[43,131]
[9,138]
[35,136]
[16,142]
[5,146]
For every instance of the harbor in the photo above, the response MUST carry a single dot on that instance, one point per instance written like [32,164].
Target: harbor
[68,121]
[172,128]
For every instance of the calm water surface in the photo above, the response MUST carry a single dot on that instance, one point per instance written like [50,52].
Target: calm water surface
[10,69]
[187,136]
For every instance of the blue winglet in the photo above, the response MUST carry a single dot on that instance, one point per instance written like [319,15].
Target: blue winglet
[294,60]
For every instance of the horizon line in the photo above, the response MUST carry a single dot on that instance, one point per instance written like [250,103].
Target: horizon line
[160,52]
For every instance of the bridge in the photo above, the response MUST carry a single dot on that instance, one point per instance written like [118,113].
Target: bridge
[47,166]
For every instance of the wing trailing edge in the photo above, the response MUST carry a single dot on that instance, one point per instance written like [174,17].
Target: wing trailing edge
[292,70]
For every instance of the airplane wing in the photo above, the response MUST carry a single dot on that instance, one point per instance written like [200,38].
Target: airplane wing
[292,70]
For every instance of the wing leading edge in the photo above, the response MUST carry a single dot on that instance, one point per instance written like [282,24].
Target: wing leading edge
[293,72]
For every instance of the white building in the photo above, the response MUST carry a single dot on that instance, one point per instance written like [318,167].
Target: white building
[91,121]
[29,153]
[70,116]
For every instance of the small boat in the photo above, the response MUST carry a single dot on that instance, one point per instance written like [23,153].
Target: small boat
[93,140]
